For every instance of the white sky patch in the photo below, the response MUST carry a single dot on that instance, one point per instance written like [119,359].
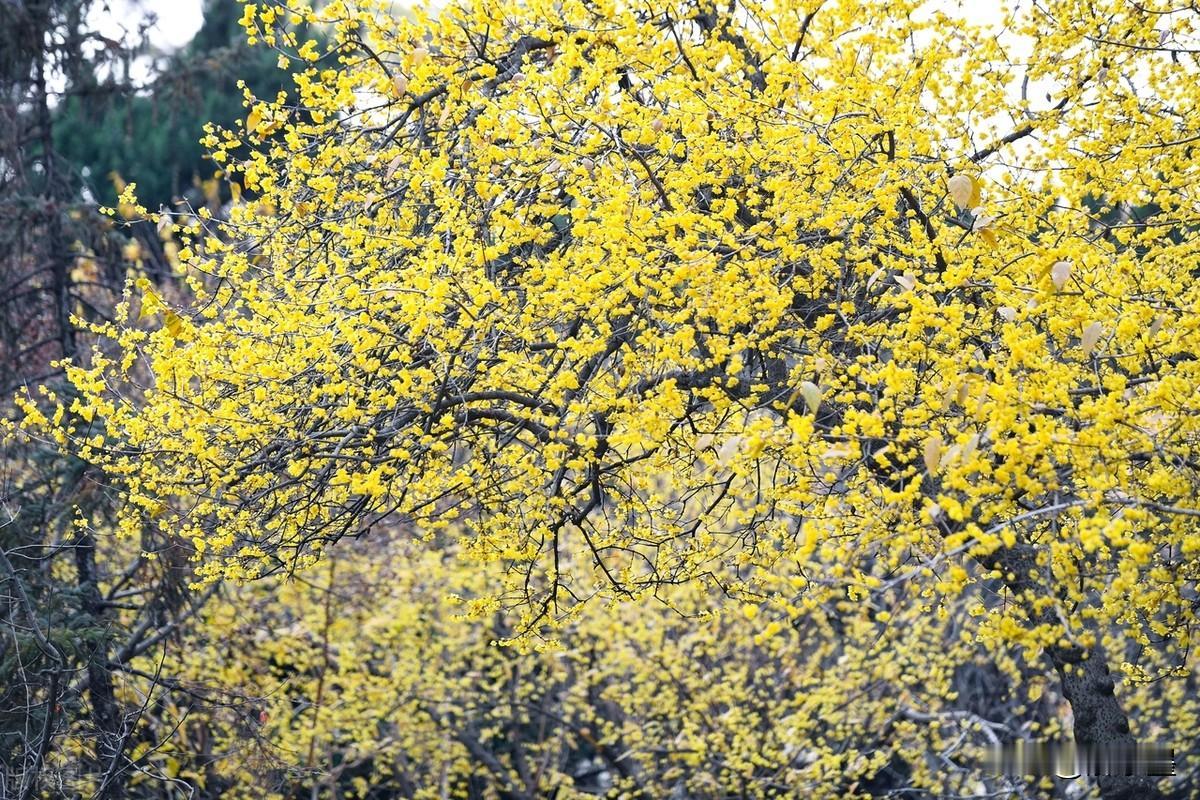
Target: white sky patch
[175,21]
[172,24]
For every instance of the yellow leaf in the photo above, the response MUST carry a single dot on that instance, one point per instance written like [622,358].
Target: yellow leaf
[962,190]
[964,392]
[968,449]
[254,119]
[1091,335]
[811,395]
[1060,273]
[933,453]
[875,276]
[394,165]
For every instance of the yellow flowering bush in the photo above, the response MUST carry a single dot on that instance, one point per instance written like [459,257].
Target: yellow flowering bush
[622,301]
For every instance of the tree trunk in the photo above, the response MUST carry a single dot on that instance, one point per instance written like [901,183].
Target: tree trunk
[106,716]
[1087,683]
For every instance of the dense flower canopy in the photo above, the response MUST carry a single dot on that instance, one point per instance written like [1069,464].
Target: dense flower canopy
[792,300]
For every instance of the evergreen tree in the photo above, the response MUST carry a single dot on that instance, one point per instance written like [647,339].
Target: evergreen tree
[152,137]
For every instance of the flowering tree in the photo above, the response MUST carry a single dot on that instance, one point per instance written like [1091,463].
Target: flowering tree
[374,686]
[621,297]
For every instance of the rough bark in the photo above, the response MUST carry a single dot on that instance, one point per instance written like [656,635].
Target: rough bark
[1087,682]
